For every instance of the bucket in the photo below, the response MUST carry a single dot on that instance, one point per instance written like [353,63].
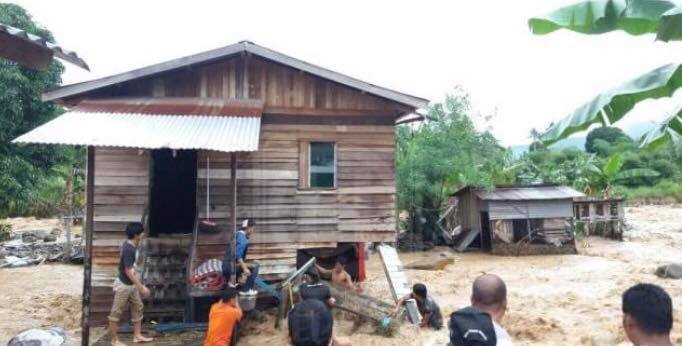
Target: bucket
[247,300]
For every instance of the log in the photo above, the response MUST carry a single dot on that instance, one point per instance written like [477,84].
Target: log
[430,264]
[360,304]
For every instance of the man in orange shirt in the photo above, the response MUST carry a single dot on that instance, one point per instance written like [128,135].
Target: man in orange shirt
[222,318]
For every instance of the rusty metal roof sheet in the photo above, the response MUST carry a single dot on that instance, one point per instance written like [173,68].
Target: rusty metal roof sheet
[174,130]
[173,105]
[238,48]
[525,193]
[10,35]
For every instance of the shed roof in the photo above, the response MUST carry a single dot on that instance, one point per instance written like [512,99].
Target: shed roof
[153,124]
[237,48]
[17,44]
[523,193]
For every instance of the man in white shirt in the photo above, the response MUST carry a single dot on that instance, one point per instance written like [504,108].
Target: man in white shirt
[489,294]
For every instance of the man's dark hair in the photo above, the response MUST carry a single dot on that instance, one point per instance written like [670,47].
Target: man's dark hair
[420,290]
[310,323]
[249,223]
[341,260]
[229,293]
[314,275]
[489,290]
[650,306]
[133,229]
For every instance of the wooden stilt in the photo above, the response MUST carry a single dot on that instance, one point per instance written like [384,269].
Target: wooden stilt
[87,252]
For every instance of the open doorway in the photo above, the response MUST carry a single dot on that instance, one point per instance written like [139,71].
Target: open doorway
[173,205]
[486,237]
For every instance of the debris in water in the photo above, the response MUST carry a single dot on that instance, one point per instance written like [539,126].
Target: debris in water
[53,336]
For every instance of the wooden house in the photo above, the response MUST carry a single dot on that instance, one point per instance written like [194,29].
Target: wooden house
[233,133]
[516,220]
[600,216]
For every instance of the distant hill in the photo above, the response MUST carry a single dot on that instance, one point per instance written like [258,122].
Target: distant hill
[635,131]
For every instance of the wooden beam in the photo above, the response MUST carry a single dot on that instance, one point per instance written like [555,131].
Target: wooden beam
[87,254]
[363,305]
[233,227]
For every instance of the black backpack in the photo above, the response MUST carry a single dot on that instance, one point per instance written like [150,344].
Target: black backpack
[310,323]
[471,327]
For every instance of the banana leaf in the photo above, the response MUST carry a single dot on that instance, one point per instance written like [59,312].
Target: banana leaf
[670,131]
[670,25]
[609,107]
[613,166]
[635,17]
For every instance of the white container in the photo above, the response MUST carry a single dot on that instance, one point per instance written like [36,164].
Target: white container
[247,300]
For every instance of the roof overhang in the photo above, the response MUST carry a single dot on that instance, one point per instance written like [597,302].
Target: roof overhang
[33,51]
[176,123]
[237,48]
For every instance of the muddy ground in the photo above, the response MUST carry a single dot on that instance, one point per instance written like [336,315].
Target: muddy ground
[553,300]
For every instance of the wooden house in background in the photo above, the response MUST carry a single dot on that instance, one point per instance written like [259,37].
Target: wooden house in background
[516,220]
[600,216]
[233,133]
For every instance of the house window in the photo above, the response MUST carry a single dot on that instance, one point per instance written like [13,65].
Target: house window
[600,209]
[322,165]
[614,209]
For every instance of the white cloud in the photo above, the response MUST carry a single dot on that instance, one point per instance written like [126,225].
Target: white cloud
[420,47]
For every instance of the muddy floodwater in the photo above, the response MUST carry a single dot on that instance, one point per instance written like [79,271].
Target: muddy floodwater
[553,300]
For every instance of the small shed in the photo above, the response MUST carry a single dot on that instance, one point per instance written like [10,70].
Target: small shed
[600,216]
[518,220]
[238,132]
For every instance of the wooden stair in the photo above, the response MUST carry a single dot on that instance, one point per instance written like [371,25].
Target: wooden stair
[164,273]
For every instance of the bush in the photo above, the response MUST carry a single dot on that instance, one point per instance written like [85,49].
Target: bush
[664,190]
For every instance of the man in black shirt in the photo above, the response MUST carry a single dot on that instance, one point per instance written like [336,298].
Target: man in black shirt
[128,288]
[315,289]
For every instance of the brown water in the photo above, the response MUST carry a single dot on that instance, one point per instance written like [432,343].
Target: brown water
[553,300]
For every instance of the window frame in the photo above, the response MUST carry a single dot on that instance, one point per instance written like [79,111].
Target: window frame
[309,166]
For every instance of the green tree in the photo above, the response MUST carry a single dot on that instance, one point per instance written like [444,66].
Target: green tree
[635,17]
[25,169]
[444,153]
[609,134]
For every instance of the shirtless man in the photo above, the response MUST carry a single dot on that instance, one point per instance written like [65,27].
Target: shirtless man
[339,276]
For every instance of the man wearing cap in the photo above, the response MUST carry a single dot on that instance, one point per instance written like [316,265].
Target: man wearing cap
[246,273]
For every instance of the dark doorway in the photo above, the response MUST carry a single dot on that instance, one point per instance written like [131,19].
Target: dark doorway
[520,227]
[173,192]
[486,238]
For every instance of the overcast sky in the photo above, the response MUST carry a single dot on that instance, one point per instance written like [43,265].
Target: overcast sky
[424,48]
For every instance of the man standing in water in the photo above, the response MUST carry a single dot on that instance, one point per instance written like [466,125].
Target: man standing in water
[647,315]
[338,275]
[128,288]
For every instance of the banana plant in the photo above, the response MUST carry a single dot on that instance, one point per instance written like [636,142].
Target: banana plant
[636,17]
[612,172]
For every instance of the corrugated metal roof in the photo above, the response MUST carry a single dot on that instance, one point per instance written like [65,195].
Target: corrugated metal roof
[237,48]
[173,105]
[527,193]
[41,43]
[134,130]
